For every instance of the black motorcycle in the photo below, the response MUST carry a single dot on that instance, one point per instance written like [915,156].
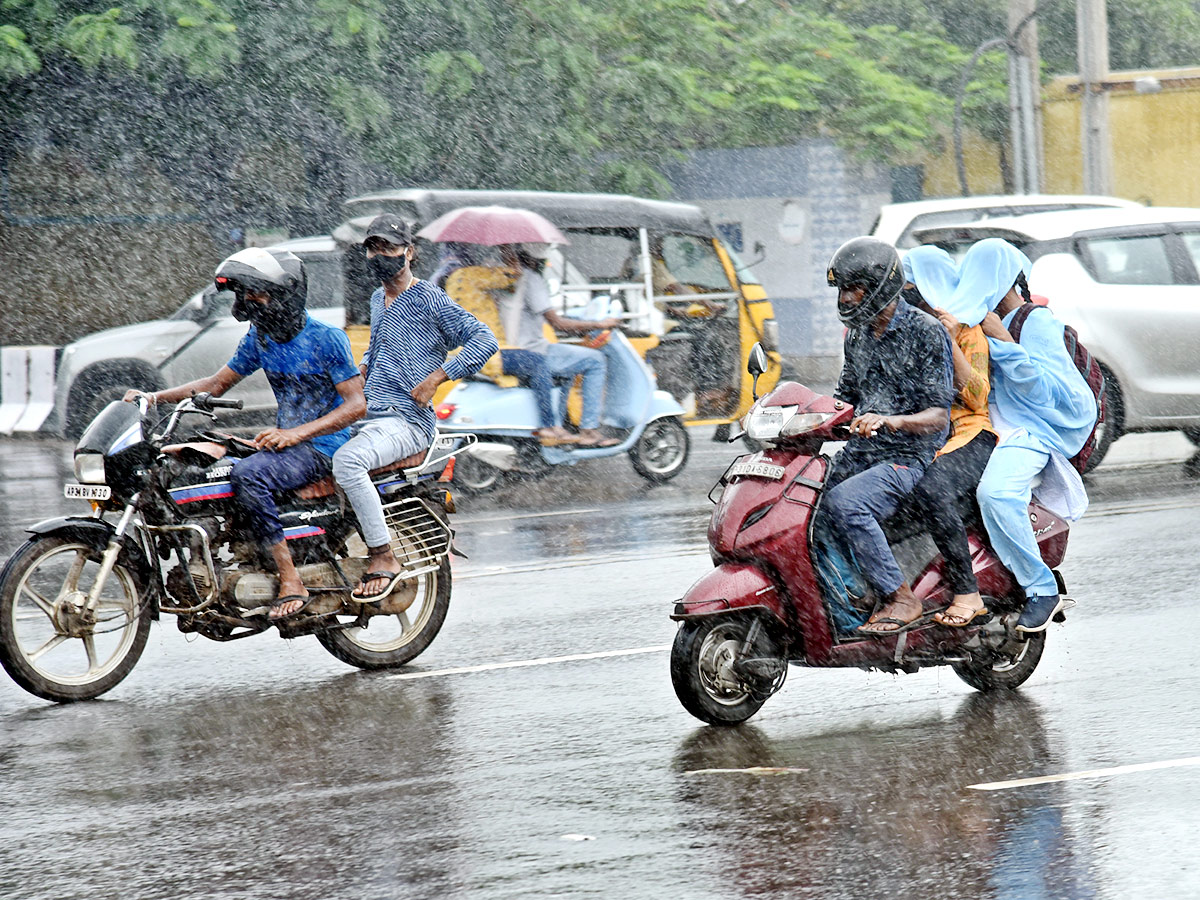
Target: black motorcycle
[166,536]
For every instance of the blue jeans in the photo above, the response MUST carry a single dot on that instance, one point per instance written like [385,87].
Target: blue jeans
[256,478]
[531,366]
[571,359]
[858,505]
[377,441]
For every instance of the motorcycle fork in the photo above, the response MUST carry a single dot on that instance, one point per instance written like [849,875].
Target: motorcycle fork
[109,559]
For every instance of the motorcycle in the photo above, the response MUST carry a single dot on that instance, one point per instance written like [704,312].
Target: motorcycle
[167,536]
[762,607]
[649,421]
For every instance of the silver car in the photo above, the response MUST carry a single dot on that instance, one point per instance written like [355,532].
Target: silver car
[1128,280]
[194,342]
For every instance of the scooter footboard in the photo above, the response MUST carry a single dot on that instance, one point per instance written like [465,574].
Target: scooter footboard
[729,587]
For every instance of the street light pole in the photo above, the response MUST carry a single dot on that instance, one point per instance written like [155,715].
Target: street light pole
[1024,89]
[1091,18]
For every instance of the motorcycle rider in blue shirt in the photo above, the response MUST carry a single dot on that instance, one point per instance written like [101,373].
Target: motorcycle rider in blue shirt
[316,384]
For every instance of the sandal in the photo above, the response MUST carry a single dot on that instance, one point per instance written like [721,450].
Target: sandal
[279,602]
[949,612]
[600,441]
[392,579]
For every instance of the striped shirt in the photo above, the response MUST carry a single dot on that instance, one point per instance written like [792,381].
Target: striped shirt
[410,339]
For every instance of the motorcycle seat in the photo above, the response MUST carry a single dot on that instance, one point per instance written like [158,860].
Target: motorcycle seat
[327,486]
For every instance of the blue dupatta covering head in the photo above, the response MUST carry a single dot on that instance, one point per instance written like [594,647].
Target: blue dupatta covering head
[934,273]
[987,272]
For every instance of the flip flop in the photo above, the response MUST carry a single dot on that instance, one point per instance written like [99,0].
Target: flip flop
[887,620]
[599,442]
[966,620]
[280,601]
[393,579]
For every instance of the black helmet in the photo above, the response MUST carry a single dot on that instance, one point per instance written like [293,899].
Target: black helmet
[872,265]
[277,273]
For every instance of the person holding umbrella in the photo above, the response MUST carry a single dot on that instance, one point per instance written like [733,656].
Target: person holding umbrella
[414,327]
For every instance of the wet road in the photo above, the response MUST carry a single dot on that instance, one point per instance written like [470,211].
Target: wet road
[269,769]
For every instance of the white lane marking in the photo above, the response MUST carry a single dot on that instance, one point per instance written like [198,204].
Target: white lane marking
[1090,773]
[523,663]
[753,770]
[541,515]
[578,561]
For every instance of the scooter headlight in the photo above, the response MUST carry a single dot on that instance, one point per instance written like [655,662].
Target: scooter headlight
[765,423]
[799,424]
[89,468]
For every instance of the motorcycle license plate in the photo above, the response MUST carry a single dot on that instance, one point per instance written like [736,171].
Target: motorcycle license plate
[758,470]
[87,491]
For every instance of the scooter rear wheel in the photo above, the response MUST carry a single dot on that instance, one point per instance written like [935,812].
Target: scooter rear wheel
[702,659]
[1006,673]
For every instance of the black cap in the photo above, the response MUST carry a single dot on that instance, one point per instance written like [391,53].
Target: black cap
[391,228]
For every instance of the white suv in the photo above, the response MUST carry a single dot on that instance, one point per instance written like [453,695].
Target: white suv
[1128,280]
[194,342]
[897,222]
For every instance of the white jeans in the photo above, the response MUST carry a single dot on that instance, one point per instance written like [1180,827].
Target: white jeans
[378,441]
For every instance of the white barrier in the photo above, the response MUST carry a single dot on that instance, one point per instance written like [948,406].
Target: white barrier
[26,387]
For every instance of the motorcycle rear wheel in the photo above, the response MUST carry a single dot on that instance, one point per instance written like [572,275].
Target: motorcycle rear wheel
[47,644]
[701,670]
[1006,674]
[390,641]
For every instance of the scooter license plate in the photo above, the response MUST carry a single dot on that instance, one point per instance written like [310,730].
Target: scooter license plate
[87,491]
[758,470]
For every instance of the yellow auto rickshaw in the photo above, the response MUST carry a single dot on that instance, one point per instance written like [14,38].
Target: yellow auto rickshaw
[687,304]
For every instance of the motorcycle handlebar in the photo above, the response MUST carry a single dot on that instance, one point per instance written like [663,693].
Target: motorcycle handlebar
[208,401]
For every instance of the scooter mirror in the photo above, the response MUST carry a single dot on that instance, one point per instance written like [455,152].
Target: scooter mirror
[756,365]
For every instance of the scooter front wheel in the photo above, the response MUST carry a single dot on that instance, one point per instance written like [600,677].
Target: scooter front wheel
[703,658]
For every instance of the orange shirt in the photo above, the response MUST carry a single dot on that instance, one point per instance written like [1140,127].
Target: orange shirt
[969,412]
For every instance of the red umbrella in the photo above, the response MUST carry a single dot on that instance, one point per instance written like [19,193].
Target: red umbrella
[492,225]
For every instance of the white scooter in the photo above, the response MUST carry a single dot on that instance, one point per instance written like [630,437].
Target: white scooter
[648,422]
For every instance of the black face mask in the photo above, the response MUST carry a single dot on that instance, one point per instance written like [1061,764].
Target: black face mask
[279,320]
[385,268]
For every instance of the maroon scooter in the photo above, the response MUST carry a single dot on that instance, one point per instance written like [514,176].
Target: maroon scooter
[762,607]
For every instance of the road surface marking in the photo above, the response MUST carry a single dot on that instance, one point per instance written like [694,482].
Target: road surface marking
[523,663]
[579,561]
[1090,773]
[753,770]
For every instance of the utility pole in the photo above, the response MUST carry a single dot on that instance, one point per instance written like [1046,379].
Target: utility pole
[1024,92]
[1091,18]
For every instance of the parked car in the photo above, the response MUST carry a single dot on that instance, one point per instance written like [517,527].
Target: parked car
[898,222]
[193,342]
[1128,280]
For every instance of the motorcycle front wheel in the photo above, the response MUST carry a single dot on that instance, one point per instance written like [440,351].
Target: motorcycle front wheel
[388,641]
[49,643]
[702,660]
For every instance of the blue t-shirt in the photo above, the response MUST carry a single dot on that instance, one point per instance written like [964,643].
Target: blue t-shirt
[303,374]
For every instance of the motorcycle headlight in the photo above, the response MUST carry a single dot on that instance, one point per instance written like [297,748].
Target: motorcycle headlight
[89,468]
[802,423]
[765,423]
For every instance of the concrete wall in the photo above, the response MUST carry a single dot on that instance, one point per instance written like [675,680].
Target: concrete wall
[801,202]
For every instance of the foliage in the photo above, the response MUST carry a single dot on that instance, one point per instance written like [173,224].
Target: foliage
[563,94]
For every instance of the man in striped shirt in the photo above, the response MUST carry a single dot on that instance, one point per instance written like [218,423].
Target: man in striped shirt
[414,326]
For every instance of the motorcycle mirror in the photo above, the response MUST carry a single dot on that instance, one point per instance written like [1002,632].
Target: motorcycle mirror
[756,365]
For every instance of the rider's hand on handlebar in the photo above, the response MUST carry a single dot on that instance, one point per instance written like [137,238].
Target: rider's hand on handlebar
[133,395]
[869,424]
[276,439]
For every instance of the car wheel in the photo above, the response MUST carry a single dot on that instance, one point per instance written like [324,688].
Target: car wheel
[1113,425]
[97,387]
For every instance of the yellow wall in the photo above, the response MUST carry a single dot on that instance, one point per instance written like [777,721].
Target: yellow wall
[1155,137]
[1155,142]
